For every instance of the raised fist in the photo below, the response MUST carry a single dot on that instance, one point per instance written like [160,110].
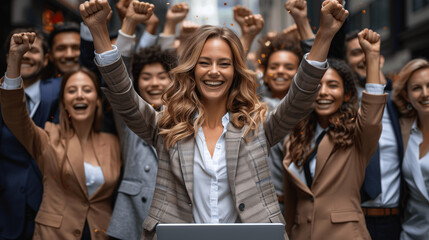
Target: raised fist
[95,12]
[240,13]
[297,8]
[253,25]
[177,13]
[20,43]
[139,12]
[332,17]
[369,41]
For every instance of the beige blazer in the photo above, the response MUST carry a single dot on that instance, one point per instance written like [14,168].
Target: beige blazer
[249,175]
[65,205]
[331,208]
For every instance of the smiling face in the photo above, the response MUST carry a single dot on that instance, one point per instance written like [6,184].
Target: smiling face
[214,71]
[65,51]
[153,80]
[356,57]
[330,97]
[282,66]
[33,62]
[81,98]
[418,92]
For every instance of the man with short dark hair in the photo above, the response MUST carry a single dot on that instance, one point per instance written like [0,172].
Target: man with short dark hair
[381,189]
[64,44]
[20,178]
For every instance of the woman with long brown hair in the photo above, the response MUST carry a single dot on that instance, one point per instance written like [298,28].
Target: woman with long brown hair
[80,165]
[327,153]
[411,95]
[211,138]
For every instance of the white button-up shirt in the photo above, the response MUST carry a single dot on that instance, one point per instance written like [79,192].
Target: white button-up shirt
[212,195]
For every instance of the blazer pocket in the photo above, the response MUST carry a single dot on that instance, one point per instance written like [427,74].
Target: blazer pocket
[49,219]
[130,187]
[342,217]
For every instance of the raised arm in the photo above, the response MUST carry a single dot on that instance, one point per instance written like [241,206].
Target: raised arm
[370,43]
[332,18]
[298,11]
[175,15]
[13,106]
[251,25]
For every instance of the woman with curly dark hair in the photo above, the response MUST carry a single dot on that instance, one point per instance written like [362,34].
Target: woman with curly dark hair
[212,136]
[327,153]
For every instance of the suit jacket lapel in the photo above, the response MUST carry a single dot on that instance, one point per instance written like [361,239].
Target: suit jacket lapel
[186,148]
[323,153]
[232,141]
[394,119]
[301,185]
[75,159]
[406,124]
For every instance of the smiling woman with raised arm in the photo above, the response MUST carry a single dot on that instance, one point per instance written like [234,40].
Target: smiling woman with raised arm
[80,165]
[328,151]
[211,138]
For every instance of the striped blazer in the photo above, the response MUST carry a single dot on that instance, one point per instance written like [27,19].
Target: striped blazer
[247,166]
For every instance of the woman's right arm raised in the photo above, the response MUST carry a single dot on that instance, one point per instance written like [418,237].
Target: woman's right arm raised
[140,117]
[13,106]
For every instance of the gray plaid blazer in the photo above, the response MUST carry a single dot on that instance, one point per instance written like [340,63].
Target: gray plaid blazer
[248,171]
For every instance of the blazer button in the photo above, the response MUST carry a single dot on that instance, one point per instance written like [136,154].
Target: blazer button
[144,199]
[309,220]
[241,206]
[312,199]
[190,204]
[77,232]
[146,168]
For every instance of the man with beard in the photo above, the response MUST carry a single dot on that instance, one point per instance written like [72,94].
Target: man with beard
[379,192]
[20,178]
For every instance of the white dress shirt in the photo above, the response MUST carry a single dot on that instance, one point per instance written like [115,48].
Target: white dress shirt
[212,195]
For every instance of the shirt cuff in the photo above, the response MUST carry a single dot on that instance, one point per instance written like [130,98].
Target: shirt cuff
[374,88]
[166,41]
[147,40]
[107,58]
[316,63]
[11,83]
[85,34]
[125,43]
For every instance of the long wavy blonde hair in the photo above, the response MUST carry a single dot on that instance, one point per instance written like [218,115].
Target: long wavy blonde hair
[182,99]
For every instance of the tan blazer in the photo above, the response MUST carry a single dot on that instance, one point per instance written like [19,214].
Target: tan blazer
[247,166]
[331,209]
[65,206]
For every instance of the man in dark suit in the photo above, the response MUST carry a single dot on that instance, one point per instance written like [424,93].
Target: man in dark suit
[380,192]
[20,178]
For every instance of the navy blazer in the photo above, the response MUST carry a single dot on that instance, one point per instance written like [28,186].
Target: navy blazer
[20,177]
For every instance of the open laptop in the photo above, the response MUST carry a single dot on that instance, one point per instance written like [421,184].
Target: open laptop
[232,231]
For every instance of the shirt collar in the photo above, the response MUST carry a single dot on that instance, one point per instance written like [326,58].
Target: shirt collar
[33,92]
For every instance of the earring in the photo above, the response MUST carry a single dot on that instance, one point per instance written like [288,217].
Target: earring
[409,107]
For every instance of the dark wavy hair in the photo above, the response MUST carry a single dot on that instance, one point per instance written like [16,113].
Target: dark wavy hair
[341,123]
[280,42]
[150,55]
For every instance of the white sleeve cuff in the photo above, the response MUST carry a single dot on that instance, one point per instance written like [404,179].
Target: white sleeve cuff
[11,83]
[166,41]
[147,40]
[316,63]
[374,88]
[125,43]
[106,58]
[85,34]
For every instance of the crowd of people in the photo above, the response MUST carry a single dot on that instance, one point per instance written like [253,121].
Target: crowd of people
[104,136]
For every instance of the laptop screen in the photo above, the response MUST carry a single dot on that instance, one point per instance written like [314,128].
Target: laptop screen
[232,231]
